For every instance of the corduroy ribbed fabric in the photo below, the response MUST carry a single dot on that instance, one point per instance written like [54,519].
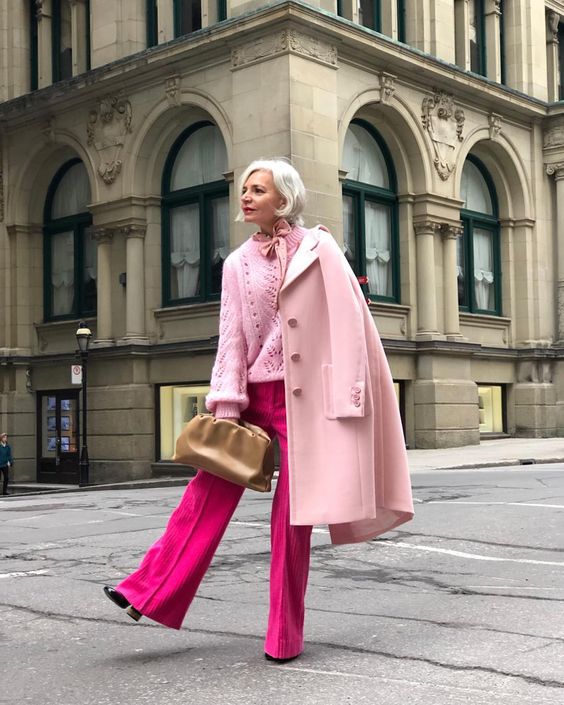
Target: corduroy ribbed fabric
[165,583]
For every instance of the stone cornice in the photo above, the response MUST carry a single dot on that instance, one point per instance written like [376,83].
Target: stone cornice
[213,45]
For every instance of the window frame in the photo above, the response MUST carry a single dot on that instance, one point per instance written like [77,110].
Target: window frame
[203,195]
[361,192]
[470,221]
[33,47]
[481,40]
[177,10]
[77,223]
[402,20]
[560,35]
[56,42]
[376,17]
[152,18]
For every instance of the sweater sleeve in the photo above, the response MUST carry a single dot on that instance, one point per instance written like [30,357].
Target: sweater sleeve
[228,393]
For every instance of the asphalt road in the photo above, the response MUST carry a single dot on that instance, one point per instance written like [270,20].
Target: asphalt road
[462,605]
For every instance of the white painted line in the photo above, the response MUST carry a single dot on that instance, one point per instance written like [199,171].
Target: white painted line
[491,695]
[509,587]
[23,574]
[474,556]
[503,504]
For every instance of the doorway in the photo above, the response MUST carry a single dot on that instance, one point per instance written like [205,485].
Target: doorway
[57,437]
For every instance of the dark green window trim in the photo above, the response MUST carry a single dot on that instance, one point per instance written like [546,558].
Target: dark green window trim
[203,195]
[77,224]
[340,8]
[221,10]
[88,37]
[470,221]
[360,193]
[502,40]
[33,46]
[152,23]
[561,60]
[56,42]
[481,57]
[178,7]
[401,12]
[376,17]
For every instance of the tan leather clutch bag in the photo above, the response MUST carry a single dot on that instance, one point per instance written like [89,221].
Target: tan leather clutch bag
[238,452]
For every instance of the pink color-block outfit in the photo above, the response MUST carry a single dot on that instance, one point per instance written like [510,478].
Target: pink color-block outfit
[247,381]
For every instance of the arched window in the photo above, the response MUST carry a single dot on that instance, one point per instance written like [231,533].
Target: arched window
[195,216]
[69,249]
[370,211]
[479,268]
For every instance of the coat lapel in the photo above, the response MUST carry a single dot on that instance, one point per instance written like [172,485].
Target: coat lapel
[304,258]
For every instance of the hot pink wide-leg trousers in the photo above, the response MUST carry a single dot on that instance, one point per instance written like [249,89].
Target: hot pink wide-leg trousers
[165,583]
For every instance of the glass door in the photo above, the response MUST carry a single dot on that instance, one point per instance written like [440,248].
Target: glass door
[58,437]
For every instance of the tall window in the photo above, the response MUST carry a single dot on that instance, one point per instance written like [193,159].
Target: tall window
[62,40]
[477,35]
[33,46]
[478,261]
[370,211]
[187,16]
[195,216]
[69,249]
[369,14]
[402,19]
[561,61]
[152,23]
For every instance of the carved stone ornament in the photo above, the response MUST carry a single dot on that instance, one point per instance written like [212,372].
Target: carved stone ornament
[556,170]
[40,10]
[443,123]
[428,227]
[281,43]
[552,22]
[387,87]
[49,129]
[107,129]
[172,90]
[554,134]
[494,122]
[495,7]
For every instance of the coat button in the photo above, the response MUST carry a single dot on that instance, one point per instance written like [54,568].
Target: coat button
[356,390]
[297,391]
[292,322]
[295,357]
[357,403]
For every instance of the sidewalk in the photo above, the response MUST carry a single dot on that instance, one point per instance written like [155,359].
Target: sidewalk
[490,453]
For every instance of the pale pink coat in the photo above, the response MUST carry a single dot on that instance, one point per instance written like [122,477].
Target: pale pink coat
[347,460]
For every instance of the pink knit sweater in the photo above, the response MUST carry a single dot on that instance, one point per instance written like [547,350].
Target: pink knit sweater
[250,339]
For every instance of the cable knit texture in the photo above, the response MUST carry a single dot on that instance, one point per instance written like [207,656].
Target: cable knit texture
[250,338]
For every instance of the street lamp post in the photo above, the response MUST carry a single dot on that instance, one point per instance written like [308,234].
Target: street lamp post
[83,335]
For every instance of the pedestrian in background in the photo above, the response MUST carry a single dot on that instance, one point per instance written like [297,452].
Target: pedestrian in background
[298,355]
[6,461]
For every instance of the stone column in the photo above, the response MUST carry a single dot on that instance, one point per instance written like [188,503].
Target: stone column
[552,21]
[44,43]
[493,40]
[558,171]
[451,234]
[79,26]
[103,237]
[165,13]
[390,18]
[462,34]
[135,285]
[426,280]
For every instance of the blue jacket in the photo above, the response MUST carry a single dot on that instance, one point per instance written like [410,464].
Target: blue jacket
[5,455]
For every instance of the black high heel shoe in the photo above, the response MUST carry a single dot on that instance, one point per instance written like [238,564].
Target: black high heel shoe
[268,657]
[116,597]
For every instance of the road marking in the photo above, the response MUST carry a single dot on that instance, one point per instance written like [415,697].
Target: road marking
[23,574]
[504,504]
[475,556]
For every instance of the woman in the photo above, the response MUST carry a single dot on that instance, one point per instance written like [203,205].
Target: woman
[298,355]
[6,461]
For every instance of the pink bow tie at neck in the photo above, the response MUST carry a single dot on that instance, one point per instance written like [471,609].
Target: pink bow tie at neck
[276,245]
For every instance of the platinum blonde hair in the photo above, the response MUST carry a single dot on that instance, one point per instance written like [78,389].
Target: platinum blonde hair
[287,182]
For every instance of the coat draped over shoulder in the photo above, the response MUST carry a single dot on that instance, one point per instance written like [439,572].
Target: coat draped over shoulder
[346,450]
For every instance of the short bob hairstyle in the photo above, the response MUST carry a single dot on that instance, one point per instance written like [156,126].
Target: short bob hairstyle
[287,182]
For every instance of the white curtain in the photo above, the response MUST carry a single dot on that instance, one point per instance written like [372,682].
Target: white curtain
[349,229]
[483,269]
[363,159]
[474,190]
[185,251]
[90,256]
[201,159]
[72,194]
[62,273]
[378,248]
[220,229]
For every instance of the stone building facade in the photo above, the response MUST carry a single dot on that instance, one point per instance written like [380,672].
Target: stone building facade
[431,140]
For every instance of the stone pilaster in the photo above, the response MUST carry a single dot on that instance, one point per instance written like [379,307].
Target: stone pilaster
[425,231]
[450,234]
[104,237]
[557,170]
[135,288]
[44,42]
[79,26]
[493,40]
[552,21]
[462,34]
